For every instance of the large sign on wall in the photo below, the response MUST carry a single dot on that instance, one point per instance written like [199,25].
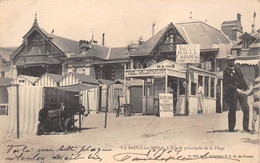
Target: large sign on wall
[188,53]
[166,104]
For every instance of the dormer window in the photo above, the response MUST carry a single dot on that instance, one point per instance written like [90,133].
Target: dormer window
[85,47]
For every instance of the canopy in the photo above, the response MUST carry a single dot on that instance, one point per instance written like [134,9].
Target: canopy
[75,88]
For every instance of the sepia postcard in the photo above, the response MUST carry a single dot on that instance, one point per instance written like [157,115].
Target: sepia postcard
[129,81]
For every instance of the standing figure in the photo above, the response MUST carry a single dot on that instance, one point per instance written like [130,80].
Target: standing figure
[200,98]
[255,91]
[234,81]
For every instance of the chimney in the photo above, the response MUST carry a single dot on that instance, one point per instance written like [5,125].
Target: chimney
[253,25]
[239,17]
[103,39]
[153,28]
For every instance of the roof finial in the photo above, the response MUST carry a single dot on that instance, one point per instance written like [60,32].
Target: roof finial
[35,19]
[190,14]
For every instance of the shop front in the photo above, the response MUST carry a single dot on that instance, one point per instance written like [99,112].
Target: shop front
[168,77]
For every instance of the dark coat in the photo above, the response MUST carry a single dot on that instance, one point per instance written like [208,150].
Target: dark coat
[233,80]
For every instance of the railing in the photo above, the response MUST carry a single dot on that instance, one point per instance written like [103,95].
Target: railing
[3,109]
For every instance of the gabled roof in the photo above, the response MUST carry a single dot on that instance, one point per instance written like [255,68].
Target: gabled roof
[32,79]
[66,45]
[201,33]
[85,78]
[255,44]
[194,32]
[147,46]
[105,81]
[94,51]
[63,44]
[6,52]
[55,77]
[118,53]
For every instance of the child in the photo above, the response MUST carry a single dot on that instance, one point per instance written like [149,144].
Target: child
[255,90]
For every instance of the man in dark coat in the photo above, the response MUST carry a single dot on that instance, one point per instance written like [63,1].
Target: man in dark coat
[233,81]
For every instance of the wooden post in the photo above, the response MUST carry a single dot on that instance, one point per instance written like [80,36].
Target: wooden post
[79,122]
[166,83]
[106,106]
[187,90]
[79,112]
[17,112]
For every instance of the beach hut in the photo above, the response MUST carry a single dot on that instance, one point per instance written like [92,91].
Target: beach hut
[25,80]
[4,83]
[90,98]
[49,80]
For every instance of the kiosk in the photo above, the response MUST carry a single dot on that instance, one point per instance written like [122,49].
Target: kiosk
[169,77]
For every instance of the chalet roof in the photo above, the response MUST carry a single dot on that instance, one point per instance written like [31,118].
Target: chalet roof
[64,44]
[201,33]
[85,78]
[32,79]
[118,53]
[105,81]
[194,32]
[255,44]
[147,46]
[6,52]
[224,50]
[94,51]
[55,77]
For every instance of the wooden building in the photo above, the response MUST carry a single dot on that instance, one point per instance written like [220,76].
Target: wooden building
[49,80]
[5,63]
[154,61]
[43,52]
[25,80]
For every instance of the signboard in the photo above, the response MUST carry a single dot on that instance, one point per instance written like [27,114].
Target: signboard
[167,64]
[188,53]
[166,105]
[159,86]
[144,72]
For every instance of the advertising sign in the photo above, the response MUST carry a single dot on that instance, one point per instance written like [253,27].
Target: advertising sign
[188,53]
[166,105]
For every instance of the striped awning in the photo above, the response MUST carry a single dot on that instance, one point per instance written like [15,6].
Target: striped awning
[247,62]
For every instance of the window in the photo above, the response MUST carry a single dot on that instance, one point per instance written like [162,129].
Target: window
[206,87]
[2,74]
[21,81]
[182,88]
[193,88]
[212,87]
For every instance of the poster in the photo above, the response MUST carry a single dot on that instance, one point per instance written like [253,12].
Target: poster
[188,53]
[166,105]
[122,26]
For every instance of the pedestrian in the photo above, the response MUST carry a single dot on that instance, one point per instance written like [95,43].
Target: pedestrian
[233,82]
[200,98]
[255,91]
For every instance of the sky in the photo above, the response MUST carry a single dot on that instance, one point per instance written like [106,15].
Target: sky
[122,21]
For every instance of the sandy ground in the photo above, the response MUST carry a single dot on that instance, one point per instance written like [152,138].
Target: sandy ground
[179,137]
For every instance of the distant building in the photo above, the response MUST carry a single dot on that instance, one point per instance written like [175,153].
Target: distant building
[232,29]
[5,63]
[163,44]
[42,52]
[247,51]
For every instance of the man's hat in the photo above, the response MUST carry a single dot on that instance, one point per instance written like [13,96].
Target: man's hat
[230,57]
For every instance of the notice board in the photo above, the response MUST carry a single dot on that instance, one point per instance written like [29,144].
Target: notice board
[166,104]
